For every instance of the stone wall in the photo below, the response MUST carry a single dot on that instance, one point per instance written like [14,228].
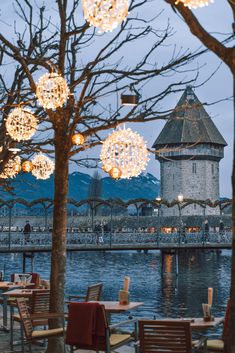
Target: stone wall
[195,179]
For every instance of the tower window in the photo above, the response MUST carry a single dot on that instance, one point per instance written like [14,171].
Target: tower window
[194,168]
[212,169]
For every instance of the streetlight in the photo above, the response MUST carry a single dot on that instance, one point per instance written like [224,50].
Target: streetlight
[180,198]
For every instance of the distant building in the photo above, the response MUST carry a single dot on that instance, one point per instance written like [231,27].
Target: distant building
[189,148]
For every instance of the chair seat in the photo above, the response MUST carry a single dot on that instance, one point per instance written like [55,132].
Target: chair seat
[37,334]
[217,345]
[118,338]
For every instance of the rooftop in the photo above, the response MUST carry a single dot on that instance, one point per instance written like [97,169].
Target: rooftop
[189,123]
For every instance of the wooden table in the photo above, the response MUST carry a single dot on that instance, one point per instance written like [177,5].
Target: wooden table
[15,293]
[200,324]
[197,323]
[115,307]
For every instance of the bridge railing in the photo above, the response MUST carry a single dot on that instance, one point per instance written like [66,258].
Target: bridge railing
[43,239]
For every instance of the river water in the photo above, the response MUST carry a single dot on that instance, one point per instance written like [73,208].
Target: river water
[164,295]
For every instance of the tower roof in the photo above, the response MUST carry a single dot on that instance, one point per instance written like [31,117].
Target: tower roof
[189,123]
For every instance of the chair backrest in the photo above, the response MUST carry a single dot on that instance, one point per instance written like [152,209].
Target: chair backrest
[226,317]
[25,317]
[87,326]
[94,292]
[165,336]
[26,277]
[40,301]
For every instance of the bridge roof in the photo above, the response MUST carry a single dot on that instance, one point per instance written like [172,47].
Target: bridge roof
[189,123]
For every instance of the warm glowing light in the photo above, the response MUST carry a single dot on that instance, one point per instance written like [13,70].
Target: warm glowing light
[105,14]
[126,150]
[21,124]
[194,4]
[52,91]
[78,139]
[43,167]
[27,166]
[180,197]
[12,168]
[115,173]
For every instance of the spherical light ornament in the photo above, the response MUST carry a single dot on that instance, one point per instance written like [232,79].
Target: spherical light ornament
[27,166]
[126,150]
[43,167]
[107,167]
[78,139]
[105,14]
[52,91]
[21,124]
[12,168]
[194,4]
[115,173]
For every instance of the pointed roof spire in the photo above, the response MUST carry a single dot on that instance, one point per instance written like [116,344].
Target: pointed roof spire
[189,123]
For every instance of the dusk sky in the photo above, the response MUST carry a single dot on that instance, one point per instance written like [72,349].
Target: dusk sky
[217,18]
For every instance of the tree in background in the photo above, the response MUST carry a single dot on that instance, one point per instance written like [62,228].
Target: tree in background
[225,50]
[53,36]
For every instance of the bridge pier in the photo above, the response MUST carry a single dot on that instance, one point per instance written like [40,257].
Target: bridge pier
[28,255]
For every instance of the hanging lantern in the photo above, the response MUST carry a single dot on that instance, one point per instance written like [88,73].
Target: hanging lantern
[78,139]
[194,4]
[43,167]
[12,168]
[21,124]
[27,166]
[115,173]
[105,14]
[126,150]
[52,91]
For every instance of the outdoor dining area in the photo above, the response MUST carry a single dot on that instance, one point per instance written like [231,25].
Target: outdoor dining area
[87,322]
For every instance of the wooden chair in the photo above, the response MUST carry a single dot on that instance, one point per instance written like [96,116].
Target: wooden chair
[88,329]
[27,322]
[93,293]
[39,303]
[217,345]
[30,277]
[167,336]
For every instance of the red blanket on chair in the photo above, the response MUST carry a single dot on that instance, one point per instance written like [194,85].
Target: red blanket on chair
[86,324]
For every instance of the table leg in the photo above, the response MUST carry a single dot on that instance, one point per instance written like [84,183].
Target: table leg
[4,309]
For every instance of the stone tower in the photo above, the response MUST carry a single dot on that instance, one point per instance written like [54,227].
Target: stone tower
[189,149]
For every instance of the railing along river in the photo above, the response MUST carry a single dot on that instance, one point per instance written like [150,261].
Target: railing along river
[43,240]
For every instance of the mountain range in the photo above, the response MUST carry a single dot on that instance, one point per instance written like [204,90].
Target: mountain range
[29,188]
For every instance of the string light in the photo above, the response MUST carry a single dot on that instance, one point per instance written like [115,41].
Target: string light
[78,139]
[21,124]
[12,168]
[43,167]
[105,14]
[27,166]
[52,91]
[126,150]
[194,4]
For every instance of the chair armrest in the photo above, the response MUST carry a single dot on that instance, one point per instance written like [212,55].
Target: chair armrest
[123,323]
[77,296]
[47,316]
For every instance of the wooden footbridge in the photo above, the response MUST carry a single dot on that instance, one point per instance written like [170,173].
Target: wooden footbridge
[90,241]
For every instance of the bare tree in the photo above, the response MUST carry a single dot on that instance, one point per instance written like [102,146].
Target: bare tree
[225,50]
[96,69]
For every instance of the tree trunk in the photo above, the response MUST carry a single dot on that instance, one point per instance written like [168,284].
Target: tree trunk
[58,255]
[230,339]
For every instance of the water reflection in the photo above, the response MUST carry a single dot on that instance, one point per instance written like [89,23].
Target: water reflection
[163,295]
